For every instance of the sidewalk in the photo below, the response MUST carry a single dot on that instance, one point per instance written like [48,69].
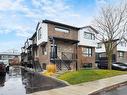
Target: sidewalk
[85,88]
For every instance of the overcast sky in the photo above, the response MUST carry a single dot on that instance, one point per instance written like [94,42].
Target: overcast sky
[18,18]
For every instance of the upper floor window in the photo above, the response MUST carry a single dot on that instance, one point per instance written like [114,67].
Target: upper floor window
[90,36]
[87,51]
[123,44]
[39,34]
[99,45]
[4,57]
[61,29]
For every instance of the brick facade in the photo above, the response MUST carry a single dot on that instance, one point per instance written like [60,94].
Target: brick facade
[84,60]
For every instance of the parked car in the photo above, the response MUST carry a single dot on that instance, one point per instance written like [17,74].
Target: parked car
[2,68]
[119,66]
[115,66]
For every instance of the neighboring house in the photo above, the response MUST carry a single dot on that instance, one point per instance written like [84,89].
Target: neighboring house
[33,46]
[7,56]
[86,46]
[67,46]
[119,53]
[25,53]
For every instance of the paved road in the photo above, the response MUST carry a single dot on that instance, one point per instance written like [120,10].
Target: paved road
[118,91]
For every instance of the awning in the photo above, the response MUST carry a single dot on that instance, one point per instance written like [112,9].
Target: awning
[65,40]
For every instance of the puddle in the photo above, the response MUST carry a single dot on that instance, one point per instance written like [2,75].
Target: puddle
[22,82]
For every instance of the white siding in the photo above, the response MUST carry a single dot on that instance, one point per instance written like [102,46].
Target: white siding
[121,48]
[44,33]
[86,42]
[30,42]
[100,50]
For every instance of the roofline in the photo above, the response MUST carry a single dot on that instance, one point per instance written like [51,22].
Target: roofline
[6,53]
[91,28]
[35,33]
[60,24]
[37,25]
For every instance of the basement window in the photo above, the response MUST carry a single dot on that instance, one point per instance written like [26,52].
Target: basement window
[61,29]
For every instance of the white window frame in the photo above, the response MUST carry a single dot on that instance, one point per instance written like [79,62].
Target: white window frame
[87,51]
[91,36]
[121,54]
[61,29]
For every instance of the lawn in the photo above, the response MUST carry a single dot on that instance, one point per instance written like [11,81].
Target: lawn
[81,76]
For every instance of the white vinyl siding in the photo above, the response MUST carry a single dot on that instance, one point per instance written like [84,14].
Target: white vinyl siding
[42,33]
[39,34]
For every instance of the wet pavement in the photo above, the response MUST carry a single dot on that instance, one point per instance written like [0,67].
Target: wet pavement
[91,88]
[11,84]
[21,82]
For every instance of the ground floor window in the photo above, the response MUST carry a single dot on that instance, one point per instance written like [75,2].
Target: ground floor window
[44,66]
[44,52]
[87,51]
[121,54]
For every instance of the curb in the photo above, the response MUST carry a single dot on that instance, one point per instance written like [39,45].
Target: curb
[106,89]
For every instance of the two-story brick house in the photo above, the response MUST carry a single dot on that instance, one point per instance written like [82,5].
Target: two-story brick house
[63,37]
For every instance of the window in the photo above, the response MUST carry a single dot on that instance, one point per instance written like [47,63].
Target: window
[123,44]
[87,51]
[99,45]
[35,52]
[39,34]
[4,57]
[61,29]
[102,54]
[10,57]
[59,48]
[89,36]
[121,54]
[44,51]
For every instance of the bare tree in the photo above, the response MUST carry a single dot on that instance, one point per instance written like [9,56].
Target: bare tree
[111,25]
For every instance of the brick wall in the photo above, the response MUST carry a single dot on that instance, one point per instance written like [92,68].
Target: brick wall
[73,34]
[85,59]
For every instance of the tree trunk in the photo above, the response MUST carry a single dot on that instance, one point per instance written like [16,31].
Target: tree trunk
[109,61]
